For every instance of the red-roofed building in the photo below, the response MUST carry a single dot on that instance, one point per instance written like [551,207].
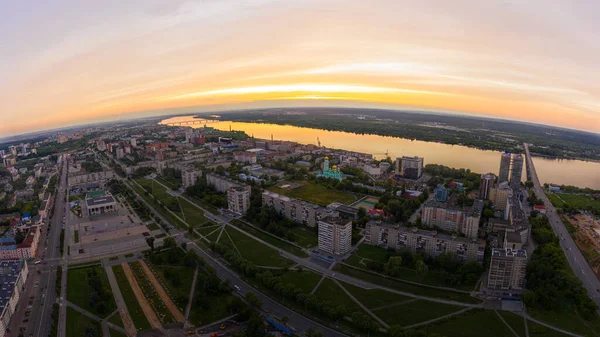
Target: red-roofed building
[540,208]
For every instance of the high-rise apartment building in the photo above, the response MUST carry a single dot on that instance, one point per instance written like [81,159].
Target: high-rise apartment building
[423,242]
[500,196]
[504,167]
[409,167]
[507,269]
[238,199]
[485,186]
[120,153]
[516,171]
[441,193]
[335,235]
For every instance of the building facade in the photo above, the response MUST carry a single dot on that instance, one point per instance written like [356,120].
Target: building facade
[516,171]
[189,176]
[220,183]
[424,242]
[500,196]
[296,210]
[450,217]
[504,167]
[486,185]
[238,199]
[409,167]
[13,275]
[507,269]
[335,235]
[101,204]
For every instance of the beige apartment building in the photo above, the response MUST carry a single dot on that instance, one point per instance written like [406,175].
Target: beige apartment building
[296,210]
[238,199]
[507,269]
[449,216]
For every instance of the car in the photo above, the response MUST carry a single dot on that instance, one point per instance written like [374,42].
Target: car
[237,288]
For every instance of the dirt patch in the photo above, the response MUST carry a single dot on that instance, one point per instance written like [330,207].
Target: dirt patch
[587,238]
[146,308]
[127,322]
[162,293]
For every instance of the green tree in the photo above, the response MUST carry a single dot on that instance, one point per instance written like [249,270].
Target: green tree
[150,242]
[253,300]
[312,332]
[421,268]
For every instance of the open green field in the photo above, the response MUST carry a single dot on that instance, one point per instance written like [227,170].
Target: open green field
[191,214]
[256,252]
[568,320]
[79,325]
[151,295]
[366,253]
[415,312]
[215,235]
[317,194]
[116,320]
[218,310]
[473,323]
[79,290]
[330,291]
[578,201]
[406,287]
[176,278]
[115,333]
[152,227]
[172,219]
[208,207]
[515,321]
[271,239]
[133,306]
[208,230]
[536,330]
[375,298]
[304,280]
[305,236]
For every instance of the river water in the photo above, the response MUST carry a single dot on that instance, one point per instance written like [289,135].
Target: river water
[558,171]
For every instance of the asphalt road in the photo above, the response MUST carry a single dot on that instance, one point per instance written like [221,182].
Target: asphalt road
[576,260]
[40,319]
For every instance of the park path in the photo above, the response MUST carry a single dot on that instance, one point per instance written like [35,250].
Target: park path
[379,320]
[437,318]
[123,312]
[395,304]
[505,323]
[162,293]
[318,284]
[104,324]
[188,308]
[146,308]
[549,326]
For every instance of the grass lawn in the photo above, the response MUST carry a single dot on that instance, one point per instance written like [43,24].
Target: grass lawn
[305,236]
[473,323]
[536,330]
[210,231]
[133,307]
[152,227]
[218,310]
[115,333]
[78,325]
[151,295]
[255,251]
[374,298]
[330,291]
[179,286]
[317,194]
[116,320]
[406,287]
[208,207]
[515,321]
[191,214]
[172,219]
[415,312]
[79,290]
[304,280]
[578,201]
[272,239]
[568,320]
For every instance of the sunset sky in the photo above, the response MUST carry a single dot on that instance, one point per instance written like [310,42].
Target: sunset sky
[70,62]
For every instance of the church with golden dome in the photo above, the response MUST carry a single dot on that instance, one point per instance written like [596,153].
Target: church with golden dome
[333,172]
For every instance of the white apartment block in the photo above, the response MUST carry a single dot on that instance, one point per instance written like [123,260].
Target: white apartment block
[238,199]
[296,210]
[335,235]
[425,242]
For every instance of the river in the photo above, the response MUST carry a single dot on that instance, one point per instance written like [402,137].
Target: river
[559,171]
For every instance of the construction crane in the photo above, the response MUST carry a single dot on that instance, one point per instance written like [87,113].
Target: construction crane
[319,141]
[386,153]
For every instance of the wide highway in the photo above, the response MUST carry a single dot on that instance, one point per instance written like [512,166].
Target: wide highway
[576,260]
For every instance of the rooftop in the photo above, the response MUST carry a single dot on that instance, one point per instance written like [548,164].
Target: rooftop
[106,199]
[423,232]
[9,272]
[508,252]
